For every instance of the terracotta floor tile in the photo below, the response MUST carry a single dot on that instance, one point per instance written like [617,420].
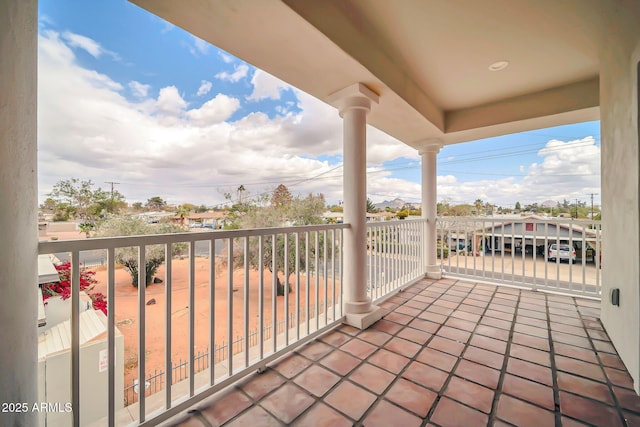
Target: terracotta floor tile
[611,360]
[530,371]
[449,413]
[628,398]
[374,336]
[340,362]
[255,416]
[584,387]
[575,352]
[320,415]
[487,343]
[418,337]
[563,338]
[191,421]
[632,420]
[530,354]
[523,414]
[396,317]
[500,315]
[604,346]
[446,345]
[529,321]
[360,349]
[568,329]
[425,325]
[566,320]
[387,360]
[417,304]
[478,373]
[372,377]
[593,324]
[226,407]
[454,334]
[496,323]
[403,347]
[350,399]
[426,376]
[465,315]
[492,332]
[532,314]
[386,326]
[259,385]
[531,341]
[315,350]
[409,311]
[432,317]
[531,330]
[618,377]
[291,365]
[448,304]
[348,329]
[597,334]
[588,410]
[287,402]
[465,325]
[569,422]
[528,390]
[579,367]
[437,359]
[484,357]
[411,397]
[476,396]
[470,308]
[317,380]
[506,307]
[386,414]
[441,310]
[335,338]
[473,302]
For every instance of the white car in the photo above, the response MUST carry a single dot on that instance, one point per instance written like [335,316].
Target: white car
[566,253]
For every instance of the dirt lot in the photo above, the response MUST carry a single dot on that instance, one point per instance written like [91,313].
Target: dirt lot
[126,306]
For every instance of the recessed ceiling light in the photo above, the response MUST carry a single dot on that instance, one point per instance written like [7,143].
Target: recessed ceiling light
[499,65]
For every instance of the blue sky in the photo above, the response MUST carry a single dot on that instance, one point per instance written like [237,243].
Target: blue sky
[127,97]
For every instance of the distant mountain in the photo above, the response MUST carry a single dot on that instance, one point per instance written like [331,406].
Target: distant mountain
[395,204]
[549,204]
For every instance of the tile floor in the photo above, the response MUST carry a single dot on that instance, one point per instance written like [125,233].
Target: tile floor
[447,353]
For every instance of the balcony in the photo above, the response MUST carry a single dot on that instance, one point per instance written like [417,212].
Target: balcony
[461,346]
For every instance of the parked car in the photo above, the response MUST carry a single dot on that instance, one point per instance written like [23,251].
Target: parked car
[589,251]
[563,253]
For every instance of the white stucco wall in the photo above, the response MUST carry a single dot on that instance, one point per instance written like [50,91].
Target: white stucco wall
[18,208]
[620,53]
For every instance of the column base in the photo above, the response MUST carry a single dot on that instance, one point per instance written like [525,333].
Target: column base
[364,320]
[433,272]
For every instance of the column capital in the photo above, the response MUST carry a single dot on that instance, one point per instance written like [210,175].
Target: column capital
[356,96]
[430,146]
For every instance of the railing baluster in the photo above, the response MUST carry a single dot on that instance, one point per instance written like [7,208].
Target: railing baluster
[297,267]
[333,273]
[325,250]
[212,309]
[168,249]
[142,284]
[307,268]
[230,306]
[247,254]
[260,297]
[192,314]
[317,279]
[75,336]
[111,333]
[286,289]
[274,291]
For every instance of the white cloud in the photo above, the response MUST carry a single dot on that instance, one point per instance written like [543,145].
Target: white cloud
[138,89]
[240,72]
[205,87]
[170,102]
[266,86]
[225,57]
[200,47]
[214,111]
[87,44]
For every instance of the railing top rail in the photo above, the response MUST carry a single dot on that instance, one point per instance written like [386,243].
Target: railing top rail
[159,239]
[568,221]
[396,222]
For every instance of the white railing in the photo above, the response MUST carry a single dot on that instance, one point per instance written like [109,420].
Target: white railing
[311,304]
[517,252]
[395,255]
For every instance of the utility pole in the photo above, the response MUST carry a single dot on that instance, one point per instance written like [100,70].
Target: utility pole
[112,184]
[576,208]
[592,194]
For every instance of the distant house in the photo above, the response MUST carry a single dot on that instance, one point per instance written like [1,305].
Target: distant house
[214,220]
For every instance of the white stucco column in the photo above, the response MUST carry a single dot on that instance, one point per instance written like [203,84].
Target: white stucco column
[18,210]
[429,206]
[354,102]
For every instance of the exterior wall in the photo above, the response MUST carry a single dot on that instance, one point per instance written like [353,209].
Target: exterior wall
[18,208]
[620,54]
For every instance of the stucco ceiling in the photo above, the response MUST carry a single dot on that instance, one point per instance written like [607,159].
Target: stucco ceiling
[428,60]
